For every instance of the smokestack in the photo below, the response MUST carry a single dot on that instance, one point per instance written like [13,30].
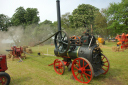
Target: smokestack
[58,14]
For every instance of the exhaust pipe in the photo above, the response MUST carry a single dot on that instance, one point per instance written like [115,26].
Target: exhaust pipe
[58,14]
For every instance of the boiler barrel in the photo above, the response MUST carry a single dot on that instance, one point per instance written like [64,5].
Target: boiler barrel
[78,51]
[71,53]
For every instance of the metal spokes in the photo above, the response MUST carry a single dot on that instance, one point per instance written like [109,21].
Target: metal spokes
[82,70]
[106,64]
[62,42]
[59,66]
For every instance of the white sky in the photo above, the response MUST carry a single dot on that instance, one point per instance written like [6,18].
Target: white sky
[47,8]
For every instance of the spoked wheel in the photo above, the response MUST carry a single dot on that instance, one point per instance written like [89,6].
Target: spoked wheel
[62,42]
[82,70]
[4,78]
[106,63]
[59,66]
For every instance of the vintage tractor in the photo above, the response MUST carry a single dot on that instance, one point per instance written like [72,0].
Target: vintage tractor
[81,55]
[4,77]
[123,40]
[17,52]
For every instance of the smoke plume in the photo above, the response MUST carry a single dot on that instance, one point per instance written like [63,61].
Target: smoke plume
[25,36]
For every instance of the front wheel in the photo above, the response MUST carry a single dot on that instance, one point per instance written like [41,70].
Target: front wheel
[59,66]
[4,78]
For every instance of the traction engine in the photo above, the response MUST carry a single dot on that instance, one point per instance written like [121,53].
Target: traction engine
[81,55]
[4,77]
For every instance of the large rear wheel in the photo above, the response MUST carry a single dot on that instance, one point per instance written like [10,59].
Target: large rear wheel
[82,70]
[106,64]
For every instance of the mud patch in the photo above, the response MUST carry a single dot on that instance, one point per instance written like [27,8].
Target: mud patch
[112,81]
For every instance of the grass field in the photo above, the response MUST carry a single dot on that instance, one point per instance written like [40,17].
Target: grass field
[35,70]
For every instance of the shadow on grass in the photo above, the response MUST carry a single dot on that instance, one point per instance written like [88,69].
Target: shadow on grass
[113,72]
[19,80]
[110,78]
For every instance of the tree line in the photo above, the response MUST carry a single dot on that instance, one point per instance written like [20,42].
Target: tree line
[106,22]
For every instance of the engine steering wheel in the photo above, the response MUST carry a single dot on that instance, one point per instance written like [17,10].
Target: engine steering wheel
[62,42]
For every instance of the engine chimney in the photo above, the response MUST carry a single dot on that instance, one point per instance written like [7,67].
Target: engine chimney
[58,14]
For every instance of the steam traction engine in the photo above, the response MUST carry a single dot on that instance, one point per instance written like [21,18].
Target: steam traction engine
[4,77]
[80,54]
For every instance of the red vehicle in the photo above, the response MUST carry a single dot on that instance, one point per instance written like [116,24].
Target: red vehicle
[4,77]
[123,40]
[17,52]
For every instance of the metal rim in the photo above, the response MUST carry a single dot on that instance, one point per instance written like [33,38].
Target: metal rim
[59,66]
[62,42]
[3,80]
[106,64]
[82,70]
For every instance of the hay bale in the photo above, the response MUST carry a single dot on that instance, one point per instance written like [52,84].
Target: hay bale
[114,49]
[24,48]
[9,56]
[117,49]
[28,50]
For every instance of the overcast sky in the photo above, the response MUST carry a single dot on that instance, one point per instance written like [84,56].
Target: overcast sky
[47,8]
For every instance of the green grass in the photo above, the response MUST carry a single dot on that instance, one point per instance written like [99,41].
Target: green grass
[35,70]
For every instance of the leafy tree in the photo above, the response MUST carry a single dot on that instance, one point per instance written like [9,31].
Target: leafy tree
[117,17]
[100,24]
[4,22]
[113,18]
[123,11]
[46,22]
[55,26]
[31,16]
[82,15]
[65,22]
[18,17]
[25,17]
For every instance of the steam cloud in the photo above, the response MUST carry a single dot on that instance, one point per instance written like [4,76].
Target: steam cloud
[21,36]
